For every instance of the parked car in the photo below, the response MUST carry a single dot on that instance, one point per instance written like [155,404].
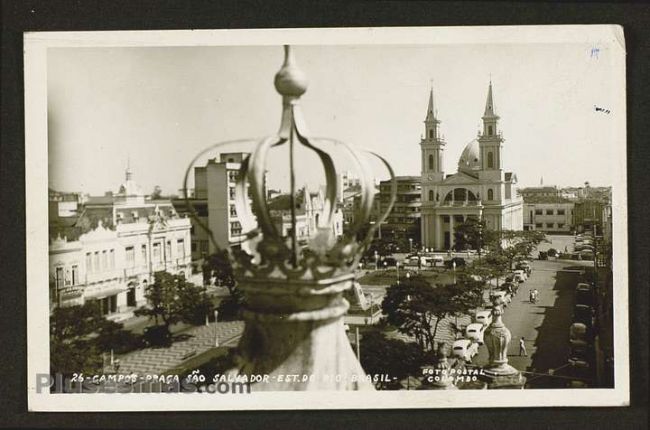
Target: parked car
[483,317]
[543,255]
[525,267]
[586,255]
[521,273]
[579,336]
[502,295]
[584,314]
[388,262]
[475,332]
[510,287]
[585,295]
[465,349]
[435,260]
[460,262]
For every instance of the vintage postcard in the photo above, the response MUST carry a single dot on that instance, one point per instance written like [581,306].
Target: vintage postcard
[326,218]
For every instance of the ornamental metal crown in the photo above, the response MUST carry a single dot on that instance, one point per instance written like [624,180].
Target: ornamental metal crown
[270,257]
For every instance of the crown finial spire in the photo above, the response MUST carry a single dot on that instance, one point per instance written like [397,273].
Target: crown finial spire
[431,113]
[290,81]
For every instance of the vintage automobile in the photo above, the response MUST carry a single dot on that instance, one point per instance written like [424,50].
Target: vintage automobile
[465,349]
[475,332]
[484,317]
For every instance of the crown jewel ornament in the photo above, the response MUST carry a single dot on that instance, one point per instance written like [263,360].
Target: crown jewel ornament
[294,303]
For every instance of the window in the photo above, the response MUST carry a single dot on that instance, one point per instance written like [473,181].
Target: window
[431,162]
[430,134]
[89,262]
[430,195]
[75,274]
[130,256]
[549,211]
[96,261]
[168,250]
[156,252]
[560,225]
[58,280]
[538,225]
[235,228]
[490,194]
[143,254]
[205,246]
[445,219]
[231,193]
[233,210]
[549,225]
[180,248]
[560,212]
[193,244]
[538,212]
[104,260]
[233,175]
[489,130]
[490,160]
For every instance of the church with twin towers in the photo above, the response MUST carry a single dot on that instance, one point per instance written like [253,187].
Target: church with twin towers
[481,188]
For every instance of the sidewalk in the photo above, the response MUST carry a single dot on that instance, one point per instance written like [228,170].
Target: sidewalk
[188,344]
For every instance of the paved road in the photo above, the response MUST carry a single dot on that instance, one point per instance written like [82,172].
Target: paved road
[545,324]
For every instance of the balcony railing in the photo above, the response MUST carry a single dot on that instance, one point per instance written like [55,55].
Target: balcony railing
[461,203]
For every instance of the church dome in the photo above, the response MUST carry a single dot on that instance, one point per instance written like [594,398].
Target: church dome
[470,159]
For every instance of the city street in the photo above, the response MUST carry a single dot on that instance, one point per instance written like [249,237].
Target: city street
[545,324]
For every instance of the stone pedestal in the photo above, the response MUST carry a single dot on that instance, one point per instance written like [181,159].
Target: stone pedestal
[498,373]
[294,334]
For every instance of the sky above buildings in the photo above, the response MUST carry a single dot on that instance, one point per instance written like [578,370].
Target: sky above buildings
[156,108]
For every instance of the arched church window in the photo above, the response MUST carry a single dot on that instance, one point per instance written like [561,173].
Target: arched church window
[490,194]
[430,134]
[430,195]
[437,196]
[430,162]
[490,160]
[489,130]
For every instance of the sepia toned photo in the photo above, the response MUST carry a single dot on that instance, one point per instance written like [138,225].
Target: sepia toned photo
[328,218]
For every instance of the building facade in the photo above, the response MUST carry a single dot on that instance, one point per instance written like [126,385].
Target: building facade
[480,188]
[111,250]
[549,217]
[402,225]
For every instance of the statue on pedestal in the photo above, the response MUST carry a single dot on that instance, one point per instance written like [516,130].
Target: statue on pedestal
[497,339]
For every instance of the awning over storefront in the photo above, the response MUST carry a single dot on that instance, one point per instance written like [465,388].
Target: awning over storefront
[105,293]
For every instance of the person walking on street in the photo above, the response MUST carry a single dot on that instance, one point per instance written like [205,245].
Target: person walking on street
[531,296]
[522,347]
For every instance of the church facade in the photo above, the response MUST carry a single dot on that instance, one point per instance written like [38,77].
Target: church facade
[480,188]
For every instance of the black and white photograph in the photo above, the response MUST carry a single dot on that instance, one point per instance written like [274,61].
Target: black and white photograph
[327,218]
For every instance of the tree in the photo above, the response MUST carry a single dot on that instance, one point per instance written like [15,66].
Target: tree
[399,359]
[230,305]
[172,299]
[78,336]
[474,234]
[218,266]
[157,191]
[416,308]
[517,245]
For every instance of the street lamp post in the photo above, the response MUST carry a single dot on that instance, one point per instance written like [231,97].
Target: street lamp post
[453,265]
[410,244]
[376,260]
[216,331]
[397,270]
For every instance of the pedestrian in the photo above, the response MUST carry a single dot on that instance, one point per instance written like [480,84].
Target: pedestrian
[522,347]
[531,296]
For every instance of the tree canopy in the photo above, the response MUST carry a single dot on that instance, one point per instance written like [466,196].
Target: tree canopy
[395,357]
[80,334]
[416,307]
[172,299]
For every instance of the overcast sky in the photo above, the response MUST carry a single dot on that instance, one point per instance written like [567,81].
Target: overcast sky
[158,107]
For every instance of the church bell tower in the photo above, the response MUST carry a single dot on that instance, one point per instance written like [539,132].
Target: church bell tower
[490,142]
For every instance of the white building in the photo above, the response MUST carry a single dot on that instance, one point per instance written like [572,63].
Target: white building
[550,217]
[111,250]
[481,188]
